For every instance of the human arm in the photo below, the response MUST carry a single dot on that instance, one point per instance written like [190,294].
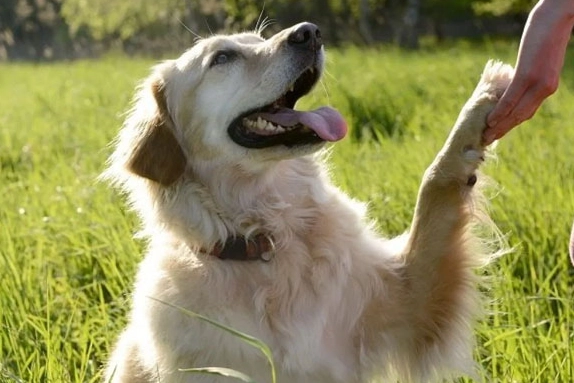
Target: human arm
[540,60]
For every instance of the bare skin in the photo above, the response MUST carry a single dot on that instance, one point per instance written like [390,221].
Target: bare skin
[538,67]
[540,61]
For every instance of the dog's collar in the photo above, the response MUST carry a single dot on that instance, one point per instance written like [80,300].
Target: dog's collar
[259,247]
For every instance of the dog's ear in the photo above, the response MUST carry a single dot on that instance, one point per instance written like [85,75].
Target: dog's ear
[156,154]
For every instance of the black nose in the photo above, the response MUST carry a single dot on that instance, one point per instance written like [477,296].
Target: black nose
[305,36]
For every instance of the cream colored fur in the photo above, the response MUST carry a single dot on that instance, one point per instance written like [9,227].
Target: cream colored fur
[338,303]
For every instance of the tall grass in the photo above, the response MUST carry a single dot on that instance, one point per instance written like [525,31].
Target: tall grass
[66,254]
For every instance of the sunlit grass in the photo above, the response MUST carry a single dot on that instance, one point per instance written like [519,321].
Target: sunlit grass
[68,260]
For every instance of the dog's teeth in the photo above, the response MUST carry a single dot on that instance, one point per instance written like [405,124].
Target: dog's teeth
[264,126]
[248,123]
[292,87]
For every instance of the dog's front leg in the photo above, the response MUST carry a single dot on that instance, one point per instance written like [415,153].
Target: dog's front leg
[446,202]
[439,281]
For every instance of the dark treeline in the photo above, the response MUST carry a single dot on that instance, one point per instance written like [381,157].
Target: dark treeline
[55,29]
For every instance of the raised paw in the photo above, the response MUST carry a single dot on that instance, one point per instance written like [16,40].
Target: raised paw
[472,119]
[464,149]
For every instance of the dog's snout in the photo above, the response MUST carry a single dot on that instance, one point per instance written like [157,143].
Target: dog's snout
[305,36]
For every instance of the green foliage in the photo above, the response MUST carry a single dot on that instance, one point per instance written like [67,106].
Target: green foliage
[503,7]
[119,18]
[56,29]
[377,116]
[68,258]
[447,9]
[243,13]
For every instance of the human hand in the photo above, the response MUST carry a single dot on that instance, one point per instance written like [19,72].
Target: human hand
[540,60]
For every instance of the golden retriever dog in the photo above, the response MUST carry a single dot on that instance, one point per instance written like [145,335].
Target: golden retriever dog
[246,228]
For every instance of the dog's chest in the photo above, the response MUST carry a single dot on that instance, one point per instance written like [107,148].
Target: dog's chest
[302,313]
[301,323]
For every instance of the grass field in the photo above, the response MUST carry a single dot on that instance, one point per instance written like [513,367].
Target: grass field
[67,259]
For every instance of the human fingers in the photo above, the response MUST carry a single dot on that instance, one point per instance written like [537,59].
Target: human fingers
[500,120]
[522,111]
[507,103]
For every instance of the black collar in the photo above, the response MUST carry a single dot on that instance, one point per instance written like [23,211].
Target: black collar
[259,247]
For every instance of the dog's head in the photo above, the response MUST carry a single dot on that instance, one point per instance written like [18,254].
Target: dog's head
[230,97]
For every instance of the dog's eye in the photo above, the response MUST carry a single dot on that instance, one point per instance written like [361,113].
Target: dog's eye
[222,57]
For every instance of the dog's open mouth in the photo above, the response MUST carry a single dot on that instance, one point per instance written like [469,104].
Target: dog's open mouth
[278,123]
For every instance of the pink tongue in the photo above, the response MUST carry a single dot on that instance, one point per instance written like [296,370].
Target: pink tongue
[325,121]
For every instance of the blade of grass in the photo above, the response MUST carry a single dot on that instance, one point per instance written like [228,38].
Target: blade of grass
[250,340]
[221,371]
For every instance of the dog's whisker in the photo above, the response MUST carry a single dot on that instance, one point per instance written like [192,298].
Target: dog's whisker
[331,76]
[324,87]
[196,35]
[208,27]
[258,26]
[266,23]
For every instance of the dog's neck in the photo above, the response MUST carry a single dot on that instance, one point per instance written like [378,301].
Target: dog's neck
[238,192]
[238,203]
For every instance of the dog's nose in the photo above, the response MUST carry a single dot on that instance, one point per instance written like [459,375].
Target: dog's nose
[305,36]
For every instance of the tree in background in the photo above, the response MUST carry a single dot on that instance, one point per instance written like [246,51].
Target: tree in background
[31,29]
[54,28]
[125,22]
[503,7]
[441,11]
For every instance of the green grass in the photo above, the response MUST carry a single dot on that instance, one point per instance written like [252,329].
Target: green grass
[67,260]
